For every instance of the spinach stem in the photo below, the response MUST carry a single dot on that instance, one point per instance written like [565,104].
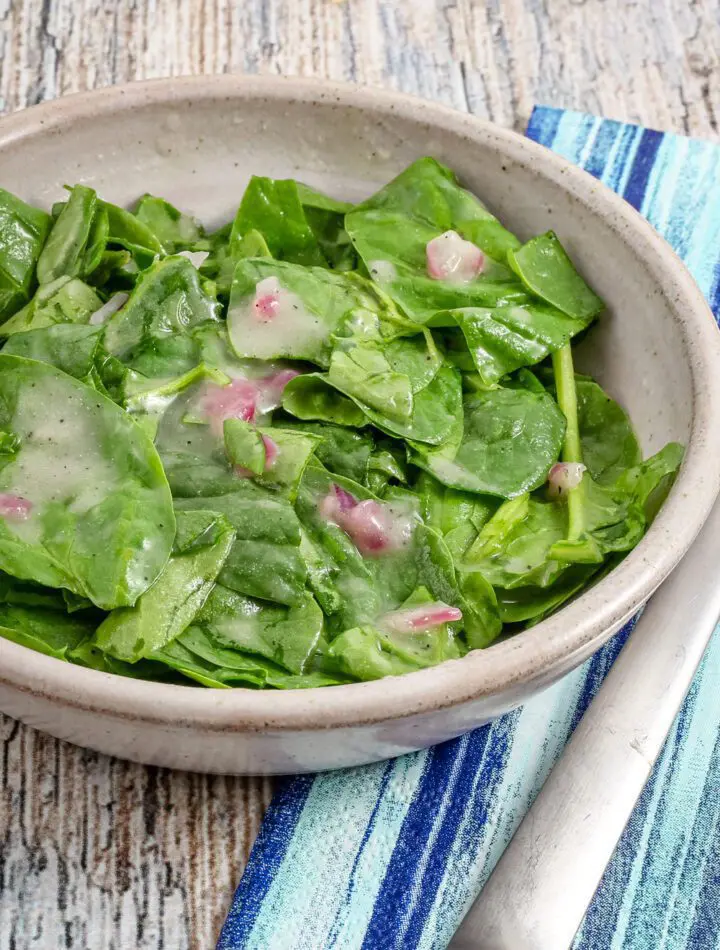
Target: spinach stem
[572,449]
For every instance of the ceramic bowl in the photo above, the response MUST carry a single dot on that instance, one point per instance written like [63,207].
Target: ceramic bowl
[196,142]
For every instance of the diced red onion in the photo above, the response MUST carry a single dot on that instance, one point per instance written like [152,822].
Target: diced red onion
[269,296]
[564,476]
[272,451]
[237,400]
[369,525]
[373,527]
[271,388]
[336,503]
[14,507]
[419,619]
[453,259]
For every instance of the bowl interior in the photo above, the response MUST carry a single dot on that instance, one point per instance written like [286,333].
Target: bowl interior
[199,154]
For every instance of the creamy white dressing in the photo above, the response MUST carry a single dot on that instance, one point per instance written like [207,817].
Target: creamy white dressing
[448,471]
[196,258]
[384,272]
[274,320]
[60,459]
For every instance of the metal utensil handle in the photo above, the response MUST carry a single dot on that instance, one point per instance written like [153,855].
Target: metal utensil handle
[540,889]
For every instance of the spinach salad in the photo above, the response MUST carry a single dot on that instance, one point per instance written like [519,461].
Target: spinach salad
[325,443]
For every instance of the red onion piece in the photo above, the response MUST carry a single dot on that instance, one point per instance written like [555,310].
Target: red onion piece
[14,507]
[237,400]
[271,388]
[271,451]
[453,259]
[419,619]
[564,476]
[373,527]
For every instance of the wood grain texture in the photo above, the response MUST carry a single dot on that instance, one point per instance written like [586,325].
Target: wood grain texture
[98,854]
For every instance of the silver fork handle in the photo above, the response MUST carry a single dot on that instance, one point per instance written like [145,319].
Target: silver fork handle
[540,889]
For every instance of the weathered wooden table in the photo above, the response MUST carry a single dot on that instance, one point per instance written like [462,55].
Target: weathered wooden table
[99,854]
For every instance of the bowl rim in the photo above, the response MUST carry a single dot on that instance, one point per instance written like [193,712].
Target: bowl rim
[534,657]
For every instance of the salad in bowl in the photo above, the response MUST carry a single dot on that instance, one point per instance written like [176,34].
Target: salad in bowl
[323,444]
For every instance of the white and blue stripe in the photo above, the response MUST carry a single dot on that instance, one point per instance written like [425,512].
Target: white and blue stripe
[390,856]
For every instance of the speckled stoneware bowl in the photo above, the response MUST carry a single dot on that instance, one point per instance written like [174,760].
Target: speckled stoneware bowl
[196,142]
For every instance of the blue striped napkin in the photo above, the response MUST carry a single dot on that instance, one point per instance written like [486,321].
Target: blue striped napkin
[392,855]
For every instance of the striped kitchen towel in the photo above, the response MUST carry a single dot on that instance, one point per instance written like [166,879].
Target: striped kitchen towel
[392,855]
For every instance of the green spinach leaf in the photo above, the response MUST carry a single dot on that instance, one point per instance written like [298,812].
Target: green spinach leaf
[175,230]
[272,207]
[169,606]
[509,441]
[151,333]
[286,635]
[545,269]
[75,243]
[65,300]
[23,230]
[97,516]
[278,309]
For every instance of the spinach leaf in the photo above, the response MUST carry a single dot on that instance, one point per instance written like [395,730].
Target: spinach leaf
[169,606]
[607,440]
[129,232]
[175,230]
[311,397]
[611,522]
[513,547]
[391,231]
[71,348]
[341,450]
[367,653]
[312,198]
[435,409]
[650,481]
[507,337]
[21,594]
[151,333]
[510,439]
[47,631]
[275,572]
[528,605]
[198,656]
[266,560]
[255,516]
[88,655]
[306,306]
[326,217]
[545,269]
[273,457]
[456,515]
[385,376]
[273,208]
[364,373]
[99,518]
[23,230]
[75,244]
[65,300]
[286,635]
